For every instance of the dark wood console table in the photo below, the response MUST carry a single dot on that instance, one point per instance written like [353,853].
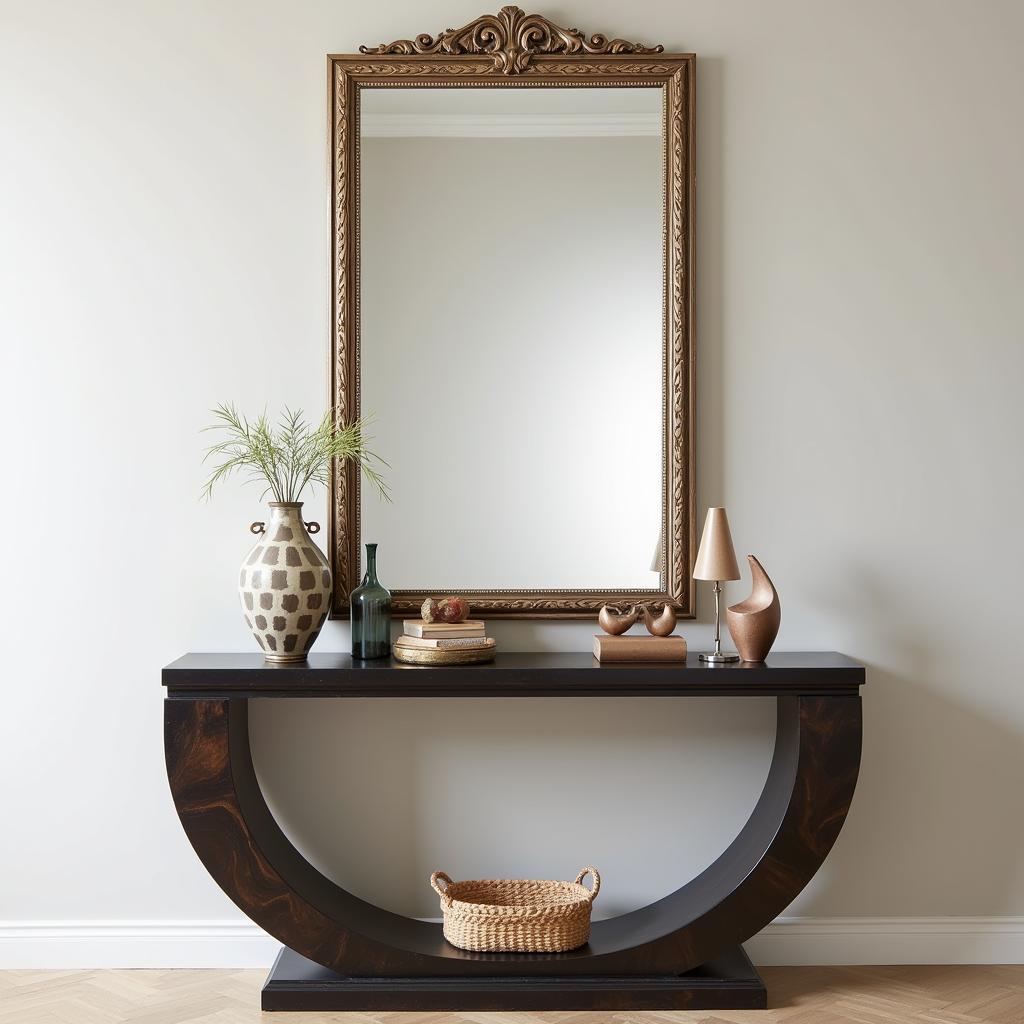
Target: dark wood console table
[682,952]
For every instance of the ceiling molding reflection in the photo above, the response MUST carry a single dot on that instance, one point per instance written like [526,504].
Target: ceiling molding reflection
[501,125]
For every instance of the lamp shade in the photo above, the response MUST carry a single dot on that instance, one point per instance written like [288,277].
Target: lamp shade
[658,558]
[716,559]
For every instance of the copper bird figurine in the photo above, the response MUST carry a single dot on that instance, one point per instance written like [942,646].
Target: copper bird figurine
[663,624]
[614,620]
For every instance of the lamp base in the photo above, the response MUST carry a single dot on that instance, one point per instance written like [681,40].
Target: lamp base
[719,659]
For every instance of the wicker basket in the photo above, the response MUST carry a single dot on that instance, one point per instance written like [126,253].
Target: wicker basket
[511,916]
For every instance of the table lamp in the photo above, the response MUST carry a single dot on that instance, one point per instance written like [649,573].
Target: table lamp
[716,560]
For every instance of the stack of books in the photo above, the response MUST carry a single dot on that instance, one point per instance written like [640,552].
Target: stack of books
[440,643]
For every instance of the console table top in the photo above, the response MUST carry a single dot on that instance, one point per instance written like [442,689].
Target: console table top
[535,674]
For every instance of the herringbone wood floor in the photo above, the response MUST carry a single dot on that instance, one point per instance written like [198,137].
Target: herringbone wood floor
[797,995]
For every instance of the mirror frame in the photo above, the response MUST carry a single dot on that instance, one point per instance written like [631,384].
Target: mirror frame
[516,50]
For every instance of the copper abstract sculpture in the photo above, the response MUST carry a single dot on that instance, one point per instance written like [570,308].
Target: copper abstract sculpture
[754,623]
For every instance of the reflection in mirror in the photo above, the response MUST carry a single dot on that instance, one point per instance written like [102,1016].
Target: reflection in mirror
[511,334]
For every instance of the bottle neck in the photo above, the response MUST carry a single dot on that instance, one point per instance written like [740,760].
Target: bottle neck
[371,564]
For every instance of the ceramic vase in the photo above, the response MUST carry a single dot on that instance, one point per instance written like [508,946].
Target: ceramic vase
[754,623]
[285,584]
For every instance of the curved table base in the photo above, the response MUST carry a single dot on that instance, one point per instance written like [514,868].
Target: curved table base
[792,828]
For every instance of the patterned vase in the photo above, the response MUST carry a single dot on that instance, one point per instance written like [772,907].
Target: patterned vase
[285,584]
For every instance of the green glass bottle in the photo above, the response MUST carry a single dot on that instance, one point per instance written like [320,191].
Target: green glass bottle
[371,613]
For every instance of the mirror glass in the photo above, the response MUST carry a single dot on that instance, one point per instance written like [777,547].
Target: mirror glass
[511,334]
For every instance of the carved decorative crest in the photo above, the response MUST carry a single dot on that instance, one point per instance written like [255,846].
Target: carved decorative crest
[511,38]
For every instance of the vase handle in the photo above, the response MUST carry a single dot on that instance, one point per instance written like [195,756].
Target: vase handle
[258,528]
[313,527]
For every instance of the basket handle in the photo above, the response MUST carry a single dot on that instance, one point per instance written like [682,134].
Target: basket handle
[440,876]
[597,881]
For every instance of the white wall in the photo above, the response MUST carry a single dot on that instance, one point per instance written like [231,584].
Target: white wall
[860,226]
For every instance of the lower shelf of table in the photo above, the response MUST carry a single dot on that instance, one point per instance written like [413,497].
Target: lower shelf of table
[729,982]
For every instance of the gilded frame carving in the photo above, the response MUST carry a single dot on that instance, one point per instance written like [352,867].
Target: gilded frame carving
[512,50]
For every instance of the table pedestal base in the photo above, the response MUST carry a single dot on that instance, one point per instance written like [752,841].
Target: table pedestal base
[728,983]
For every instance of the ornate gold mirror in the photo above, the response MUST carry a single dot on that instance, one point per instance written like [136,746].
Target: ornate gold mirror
[512,303]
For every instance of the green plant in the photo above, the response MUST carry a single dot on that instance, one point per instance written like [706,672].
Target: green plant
[290,456]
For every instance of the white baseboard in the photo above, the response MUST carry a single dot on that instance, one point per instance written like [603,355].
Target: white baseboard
[834,941]
[795,941]
[73,945]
